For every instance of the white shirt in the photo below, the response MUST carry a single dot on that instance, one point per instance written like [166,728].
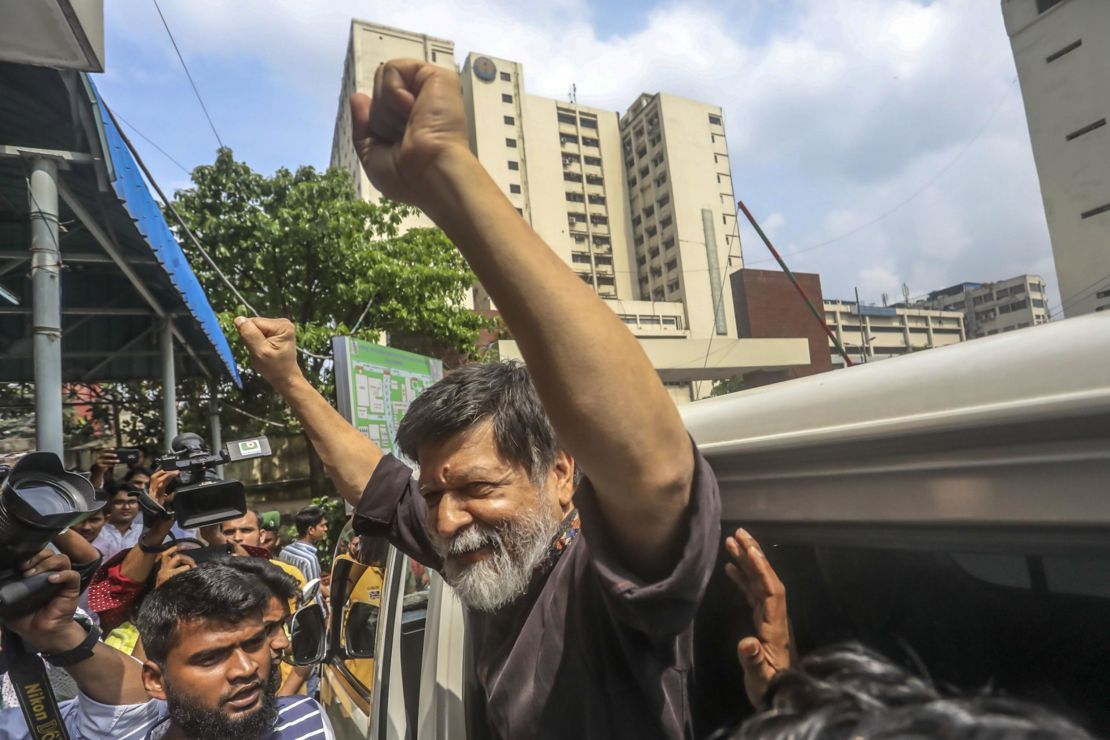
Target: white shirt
[86,719]
[111,540]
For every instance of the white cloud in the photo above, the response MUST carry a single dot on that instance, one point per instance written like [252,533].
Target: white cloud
[837,110]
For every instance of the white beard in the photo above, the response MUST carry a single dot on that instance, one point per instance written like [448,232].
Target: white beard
[516,547]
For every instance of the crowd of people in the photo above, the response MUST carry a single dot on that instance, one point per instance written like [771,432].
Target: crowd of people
[577,523]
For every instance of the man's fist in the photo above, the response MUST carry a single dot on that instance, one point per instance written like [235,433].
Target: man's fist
[414,118]
[272,344]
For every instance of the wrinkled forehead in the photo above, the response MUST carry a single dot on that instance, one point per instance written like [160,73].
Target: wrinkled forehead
[466,456]
[197,634]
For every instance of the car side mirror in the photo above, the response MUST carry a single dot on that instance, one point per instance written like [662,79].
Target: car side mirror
[307,635]
[310,590]
[361,630]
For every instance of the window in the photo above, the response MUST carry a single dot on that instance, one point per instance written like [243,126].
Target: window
[652,231]
[1101,294]
[567,118]
[576,198]
[1002,292]
[657,159]
[506,77]
[641,260]
[1019,305]
[1023,325]
[632,181]
[714,120]
[520,211]
[658,294]
[665,222]
[510,120]
[661,180]
[580,257]
[572,218]
[588,141]
[595,179]
[588,122]
[514,165]
[649,211]
[668,243]
[603,241]
[597,199]
[1043,5]
[672,265]
[642,151]
[506,98]
[568,139]
[656,272]
[1066,50]
[664,199]
[653,252]
[636,220]
[672,286]
[586,278]
[639,241]
[514,189]
[1004,309]
[572,177]
[639,133]
[511,143]
[629,164]
[592,161]
[1086,129]
[654,141]
[644,171]
[597,220]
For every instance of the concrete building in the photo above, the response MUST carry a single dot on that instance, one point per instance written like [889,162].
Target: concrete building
[992,308]
[870,333]
[1062,52]
[639,205]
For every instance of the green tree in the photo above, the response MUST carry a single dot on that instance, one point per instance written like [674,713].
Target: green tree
[301,245]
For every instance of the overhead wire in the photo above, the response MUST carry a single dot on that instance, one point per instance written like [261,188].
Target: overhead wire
[188,74]
[148,140]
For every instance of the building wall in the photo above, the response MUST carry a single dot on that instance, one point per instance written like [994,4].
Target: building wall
[369,46]
[768,306]
[993,308]
[680,191]
[889,331]
[1062,53]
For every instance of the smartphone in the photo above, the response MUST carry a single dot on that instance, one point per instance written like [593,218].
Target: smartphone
[128,455]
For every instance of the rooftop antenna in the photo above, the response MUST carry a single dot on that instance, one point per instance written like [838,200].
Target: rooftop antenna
[906,293]
[886,299]
[573,94]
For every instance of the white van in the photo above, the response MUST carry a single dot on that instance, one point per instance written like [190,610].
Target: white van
[950,508]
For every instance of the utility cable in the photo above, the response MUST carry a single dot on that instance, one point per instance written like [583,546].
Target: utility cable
[188,74]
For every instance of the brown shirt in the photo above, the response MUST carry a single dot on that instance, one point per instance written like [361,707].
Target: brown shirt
[590,650]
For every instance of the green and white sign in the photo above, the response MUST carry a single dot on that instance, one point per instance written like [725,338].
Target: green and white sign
[374,386]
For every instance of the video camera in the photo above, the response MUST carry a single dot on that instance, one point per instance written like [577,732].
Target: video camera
[38,499]
[201,497]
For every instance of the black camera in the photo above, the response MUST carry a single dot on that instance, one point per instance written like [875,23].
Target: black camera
[38,499]
[201,497]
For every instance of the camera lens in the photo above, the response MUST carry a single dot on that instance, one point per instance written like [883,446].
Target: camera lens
[44,498]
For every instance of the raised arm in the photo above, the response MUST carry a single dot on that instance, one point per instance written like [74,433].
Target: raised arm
[348,456]
[604,399]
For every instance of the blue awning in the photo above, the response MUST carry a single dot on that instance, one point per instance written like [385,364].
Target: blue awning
[137,199]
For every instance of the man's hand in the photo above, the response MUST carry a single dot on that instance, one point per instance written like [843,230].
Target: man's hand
[104,463]
[272,344]
[415,117]
[159,483]
[51,628]
[173,562]
[768,651]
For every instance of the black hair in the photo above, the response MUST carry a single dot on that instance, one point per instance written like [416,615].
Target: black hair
[307,518]
[500,391]
[281,584]
[137,470]
[211,592]
[847,691]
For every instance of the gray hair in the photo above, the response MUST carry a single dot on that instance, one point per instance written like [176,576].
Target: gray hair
[499,391]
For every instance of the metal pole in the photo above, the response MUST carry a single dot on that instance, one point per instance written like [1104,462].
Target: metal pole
[169,385]
[46,313]
[862,333]
[214,421]
[797,286]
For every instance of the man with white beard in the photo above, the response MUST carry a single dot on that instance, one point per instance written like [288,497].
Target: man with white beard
[580,593]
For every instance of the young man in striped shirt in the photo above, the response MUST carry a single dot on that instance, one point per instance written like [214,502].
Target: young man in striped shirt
[312,527]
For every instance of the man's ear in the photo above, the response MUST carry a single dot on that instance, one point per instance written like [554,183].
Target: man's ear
[153,680]
[562,473]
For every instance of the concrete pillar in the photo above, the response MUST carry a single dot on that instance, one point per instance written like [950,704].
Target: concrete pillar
[929,329]
[46,311]
[169,385]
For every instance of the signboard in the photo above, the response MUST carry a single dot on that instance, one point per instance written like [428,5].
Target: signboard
[375,385]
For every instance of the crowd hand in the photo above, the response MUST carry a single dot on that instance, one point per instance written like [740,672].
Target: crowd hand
[172,562]
[103,463]
[768,651]
[159,485]
[414,117]
[272,346]
[51,628]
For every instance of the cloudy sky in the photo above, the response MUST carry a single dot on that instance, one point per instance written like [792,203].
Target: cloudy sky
[882,142]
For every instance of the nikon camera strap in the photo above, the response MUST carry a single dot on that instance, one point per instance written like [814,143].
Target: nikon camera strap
[36,696]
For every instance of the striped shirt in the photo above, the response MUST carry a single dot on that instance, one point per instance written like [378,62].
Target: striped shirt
[302,556]
[299,718]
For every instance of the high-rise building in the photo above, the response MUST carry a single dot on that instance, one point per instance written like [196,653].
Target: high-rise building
[1062,52]
[640,206]
[993,308]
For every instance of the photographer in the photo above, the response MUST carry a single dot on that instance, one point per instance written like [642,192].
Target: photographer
[210,661]
[111,701]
